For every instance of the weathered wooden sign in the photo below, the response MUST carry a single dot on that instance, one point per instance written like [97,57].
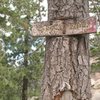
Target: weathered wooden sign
[64,27]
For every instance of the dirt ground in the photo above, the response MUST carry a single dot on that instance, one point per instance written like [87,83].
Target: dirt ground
[95,86]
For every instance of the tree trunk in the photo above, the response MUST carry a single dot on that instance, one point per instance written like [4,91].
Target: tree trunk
[67,70]
[25,79]
[24,89]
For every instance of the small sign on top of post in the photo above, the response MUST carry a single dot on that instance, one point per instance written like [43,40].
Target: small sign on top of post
[64,27]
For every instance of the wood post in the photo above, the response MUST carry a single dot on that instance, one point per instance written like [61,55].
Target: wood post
[66,73]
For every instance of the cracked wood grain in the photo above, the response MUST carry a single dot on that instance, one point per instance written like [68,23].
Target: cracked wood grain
[67,70]
[67,9]
[67,61]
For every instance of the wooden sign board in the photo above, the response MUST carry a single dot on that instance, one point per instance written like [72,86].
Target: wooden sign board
[64,27]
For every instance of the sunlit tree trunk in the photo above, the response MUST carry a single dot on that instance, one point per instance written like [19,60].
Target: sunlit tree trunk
[67,71]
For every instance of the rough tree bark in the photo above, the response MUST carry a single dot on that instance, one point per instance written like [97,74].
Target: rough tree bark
[67,71]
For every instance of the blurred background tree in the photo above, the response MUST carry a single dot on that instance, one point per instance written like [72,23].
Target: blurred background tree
[95,39]
[21,55]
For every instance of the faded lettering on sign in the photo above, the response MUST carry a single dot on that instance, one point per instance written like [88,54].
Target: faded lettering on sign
[64,27]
